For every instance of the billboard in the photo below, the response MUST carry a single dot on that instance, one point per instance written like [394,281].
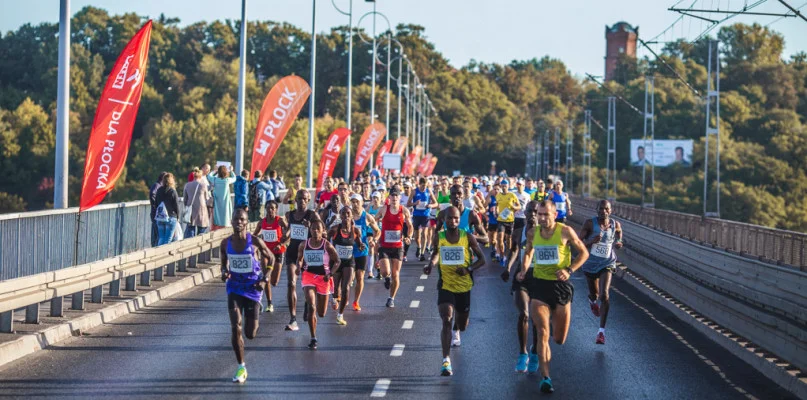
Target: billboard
[664,152]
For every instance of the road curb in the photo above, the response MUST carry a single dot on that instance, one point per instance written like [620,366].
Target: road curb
[31,343]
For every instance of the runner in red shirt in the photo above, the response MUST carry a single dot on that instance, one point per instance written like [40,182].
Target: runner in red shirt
[271,230]
[393,217]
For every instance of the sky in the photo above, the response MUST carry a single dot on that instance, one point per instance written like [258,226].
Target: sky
[488,31]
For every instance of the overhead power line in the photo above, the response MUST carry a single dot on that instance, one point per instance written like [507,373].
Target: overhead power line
[680,78]
[622,99]
[794,10]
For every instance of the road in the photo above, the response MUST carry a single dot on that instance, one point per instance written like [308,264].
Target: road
[180,348]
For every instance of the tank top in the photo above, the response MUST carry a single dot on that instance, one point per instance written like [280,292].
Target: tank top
[492,211]
[392,229]
[601,255]
[453,255]
[332,220]
[344,247]
[245,271]
[361,222]
[549,255]
[316,260]
[298,234]
[465,221]
[372,210]
[423,197]
[560,202]
[271,234]
[292,196]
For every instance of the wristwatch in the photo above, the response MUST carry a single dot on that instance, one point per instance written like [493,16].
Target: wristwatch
[470,268]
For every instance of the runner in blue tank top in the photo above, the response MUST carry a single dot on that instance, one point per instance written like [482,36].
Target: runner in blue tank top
[370,233]
[469,220]
[561,200]
[245,266]
[422,202]
[601,235]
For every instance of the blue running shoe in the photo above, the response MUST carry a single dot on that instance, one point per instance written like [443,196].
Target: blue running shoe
[445,370]
[546,385]
[521,365]
[533,365]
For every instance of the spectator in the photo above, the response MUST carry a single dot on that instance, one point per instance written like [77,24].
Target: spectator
[222,205]
[196,196]
[167,201]
[155,237]
[241,190]
[260,191]
[277,184]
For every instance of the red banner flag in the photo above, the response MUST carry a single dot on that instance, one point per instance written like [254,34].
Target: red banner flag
[367,144]
[408,162]
[432,164]
[111,132]
[424,164]
[279,110]
[417,151]
[384,150]
[330,153]
[400,145]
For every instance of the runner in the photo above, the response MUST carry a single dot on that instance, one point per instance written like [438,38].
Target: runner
[601,235]
[561,200]
[299,221]
[271,230]
[469,220]
[423,201]
[540,194]
[493,229]
[452,254]
[344,237]
[244,265]
[372,259]
[406,194]
[550,291]
[324,195]
[518,224]
[443,201]
[291,194]
[370,234]
[506,204]
[330,214]
[317,259]
[390,249]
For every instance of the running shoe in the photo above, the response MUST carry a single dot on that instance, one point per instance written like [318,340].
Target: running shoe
[503,261]
[445,370]
[546,385]
[600,338]
[270,308]
[340,320]
[422,257]
[521,364]
[390,302]
[405,259]
[240,374]
[595,308]
[356,306]
[292,326]
[455,340]
[387,282]
[532,367]
[370,276]
[313,344]
[377,274]
[334,303]
[493,255]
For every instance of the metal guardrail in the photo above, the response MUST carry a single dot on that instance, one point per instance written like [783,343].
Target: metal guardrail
[775,246]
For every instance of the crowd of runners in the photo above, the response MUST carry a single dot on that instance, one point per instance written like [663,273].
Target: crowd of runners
[352,232]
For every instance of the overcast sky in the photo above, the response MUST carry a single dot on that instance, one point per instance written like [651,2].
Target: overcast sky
[488,31]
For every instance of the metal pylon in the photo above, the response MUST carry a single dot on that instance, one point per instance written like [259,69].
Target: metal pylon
[545,155]
[556,158]
[712,129]
[586,179]
[569,137]
[610,162]
[649,193]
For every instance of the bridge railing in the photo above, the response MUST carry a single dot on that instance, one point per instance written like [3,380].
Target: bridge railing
[776,246]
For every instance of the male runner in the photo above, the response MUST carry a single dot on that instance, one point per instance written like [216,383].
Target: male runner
[299,222]
[540,194]
[551,292]
[601,235]
[370,233]
[561,200]
[245,263]
[523,199]
[507,204]
[390,248]
[452,255]
[423,201]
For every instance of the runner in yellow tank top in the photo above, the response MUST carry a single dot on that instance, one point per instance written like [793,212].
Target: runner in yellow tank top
[551,292]
[452,254]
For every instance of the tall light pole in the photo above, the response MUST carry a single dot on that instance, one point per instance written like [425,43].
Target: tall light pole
[242,72]
[62,108]
[313,94]
[389,55]
[408,105]
[349,82]
[400,89]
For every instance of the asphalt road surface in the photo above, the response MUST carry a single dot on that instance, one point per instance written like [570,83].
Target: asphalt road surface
[180,348]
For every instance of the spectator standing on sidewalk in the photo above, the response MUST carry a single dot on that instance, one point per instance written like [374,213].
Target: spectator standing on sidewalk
[196,195]
[222,204]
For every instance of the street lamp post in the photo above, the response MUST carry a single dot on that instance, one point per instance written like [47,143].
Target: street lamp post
[349,83]
[62,108]
[242,72]
[313,93]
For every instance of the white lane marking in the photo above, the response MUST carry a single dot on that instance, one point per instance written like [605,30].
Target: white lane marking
[414,304]
[408,324]
[397,350]
[419,289]
[424,276]
[380,388]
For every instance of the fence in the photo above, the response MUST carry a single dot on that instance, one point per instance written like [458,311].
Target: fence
[781,247]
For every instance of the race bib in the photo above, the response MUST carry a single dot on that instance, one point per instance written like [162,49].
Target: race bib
[601,250]
[269,235]
[314,258]
[240,263]
[421,205]
[452,255]
[345,252]
[392,236]
[546,255]
[505,214]
[561,206]
[299,232]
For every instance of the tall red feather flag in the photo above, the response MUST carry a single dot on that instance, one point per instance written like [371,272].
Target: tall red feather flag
[369,141]
[384,150]
[279,110]
[330,153]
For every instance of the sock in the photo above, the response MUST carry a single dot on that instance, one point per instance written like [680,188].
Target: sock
[592,301]
[448,360]
[243,364]
[602,330]
[314,338]
[339,315]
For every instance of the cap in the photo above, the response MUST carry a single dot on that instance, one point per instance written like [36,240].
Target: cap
[376,194]
[407,184]
[504,182]
[356,196]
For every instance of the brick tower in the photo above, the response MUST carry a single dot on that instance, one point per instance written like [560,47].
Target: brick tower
[619,39]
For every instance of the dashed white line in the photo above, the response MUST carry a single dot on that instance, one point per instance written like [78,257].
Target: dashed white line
[419,289]
[380,388]
[424,276]
[408,324]
[397,350]
[414,304]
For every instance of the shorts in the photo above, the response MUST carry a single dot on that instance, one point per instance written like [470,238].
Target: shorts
[506,227]
[420,221]
[361,262]
[519,223]
[250,309]
[596,275]
[319,284]
[492,227]
[553,293]
[460,301]
[524,285]
[280,258]
[392,253]
[432,223]
[561,220]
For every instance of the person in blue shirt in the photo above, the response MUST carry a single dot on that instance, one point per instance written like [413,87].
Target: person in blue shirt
[241,190]
[263,188]
[530,187]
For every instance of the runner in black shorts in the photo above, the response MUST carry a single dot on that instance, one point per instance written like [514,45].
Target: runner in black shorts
[299,221]
[370,233]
